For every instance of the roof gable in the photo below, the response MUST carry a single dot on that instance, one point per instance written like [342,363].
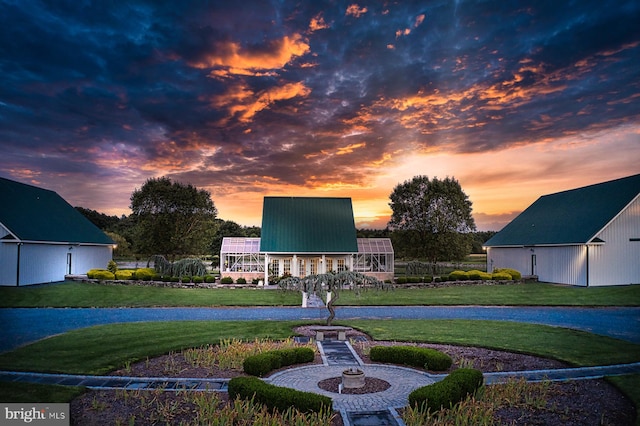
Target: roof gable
[308,225]
[570,217]
[35,214]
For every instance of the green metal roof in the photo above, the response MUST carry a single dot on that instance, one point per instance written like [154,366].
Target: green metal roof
[308,225]
[35,214]
[569,217]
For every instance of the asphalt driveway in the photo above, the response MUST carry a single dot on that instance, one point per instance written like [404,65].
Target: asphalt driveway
[25,325]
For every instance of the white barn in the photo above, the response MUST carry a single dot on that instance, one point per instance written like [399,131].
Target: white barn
[588,236]
[43,238]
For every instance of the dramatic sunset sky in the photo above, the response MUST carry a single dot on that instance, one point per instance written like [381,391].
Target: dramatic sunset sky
[319,98]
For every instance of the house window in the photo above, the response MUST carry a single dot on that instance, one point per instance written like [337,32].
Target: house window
[341,265]
[287,266]
[312,267]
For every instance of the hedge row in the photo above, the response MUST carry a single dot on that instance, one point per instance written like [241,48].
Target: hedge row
[448,392]
[498,274]
[276,397]
[145,274]
[261,364]
[429,359]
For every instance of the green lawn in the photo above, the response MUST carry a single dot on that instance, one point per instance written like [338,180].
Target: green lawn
[88,295]
[75,295]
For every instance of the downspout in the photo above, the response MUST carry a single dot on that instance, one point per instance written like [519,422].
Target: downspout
[587,265]
[18,266]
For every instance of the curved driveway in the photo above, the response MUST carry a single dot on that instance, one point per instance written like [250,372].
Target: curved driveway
[25,325]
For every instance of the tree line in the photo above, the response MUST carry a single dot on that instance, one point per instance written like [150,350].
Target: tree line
[431,221]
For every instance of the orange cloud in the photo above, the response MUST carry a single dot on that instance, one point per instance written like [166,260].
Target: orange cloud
[231,58]
[241,101]
[419,20]
[317,23]
[356,11]
[350,148]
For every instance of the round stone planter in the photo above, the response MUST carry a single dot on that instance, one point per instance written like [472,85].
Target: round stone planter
[352,378]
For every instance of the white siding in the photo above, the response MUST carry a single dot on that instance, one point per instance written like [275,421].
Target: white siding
[44,263]
[617,261]
[562,265]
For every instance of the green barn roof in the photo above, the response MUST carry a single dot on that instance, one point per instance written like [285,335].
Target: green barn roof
[308,225]
[569,217]
[35,214]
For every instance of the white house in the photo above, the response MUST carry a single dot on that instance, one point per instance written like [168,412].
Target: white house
[588,236]
[43,238]
[303,236]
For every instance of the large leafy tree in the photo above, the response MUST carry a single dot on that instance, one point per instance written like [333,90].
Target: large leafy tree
[172,219]
[431,219]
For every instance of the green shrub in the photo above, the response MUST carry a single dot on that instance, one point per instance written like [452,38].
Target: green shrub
[401,280]
[500,276]
[241,281]
[448,392]
[515,275]
[112,267]
[458,276]
[261,364]
[124,274]
[157,277]
[100,274]
[474,274]
[415,356]
[276,397]
[226,280]
[174,279]
[255,281]
[198,280]
[185,279]
[144,274]
[210,279]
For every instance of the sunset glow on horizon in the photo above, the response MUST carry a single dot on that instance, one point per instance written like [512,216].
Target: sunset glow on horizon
[252,99]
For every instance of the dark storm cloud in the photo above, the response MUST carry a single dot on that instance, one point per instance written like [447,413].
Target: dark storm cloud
[240,93]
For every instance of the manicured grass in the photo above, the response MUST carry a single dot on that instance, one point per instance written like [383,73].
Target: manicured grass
[532,294]
[86,295]
[100,349]
[32,392]
[575,347]
[77,295]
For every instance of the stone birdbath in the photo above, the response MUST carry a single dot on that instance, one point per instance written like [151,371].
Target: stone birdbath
[352,378]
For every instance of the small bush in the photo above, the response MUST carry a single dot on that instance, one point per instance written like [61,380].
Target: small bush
[474,274]
[241,281]
[124,274]
[226,280]
[401,280]
[276,397]
[415,356]
[255,281]
[209,279]
[144,274]
[500,276]
[185,279]
[515,275]
[448,392]
[458,276]
[198,280]
[174,279]
[100,274]
[157,277]
[261,364]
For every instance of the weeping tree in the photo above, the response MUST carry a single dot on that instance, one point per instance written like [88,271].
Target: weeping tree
[333,283]
[184,267]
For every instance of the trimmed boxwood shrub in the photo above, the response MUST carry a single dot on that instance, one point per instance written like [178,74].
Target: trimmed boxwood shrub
[261,364]
[458,276]
[226,280]
[198,280]
[276,397]
[474,274]
[185,279]
[100,274]
[415,356]
[144,274]
[210,279]
[124,274]
[401,280]
[241,281]
[448,392]
[515,275]
[500,276]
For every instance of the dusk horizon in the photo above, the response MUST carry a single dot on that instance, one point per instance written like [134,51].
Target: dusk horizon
[321,99]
